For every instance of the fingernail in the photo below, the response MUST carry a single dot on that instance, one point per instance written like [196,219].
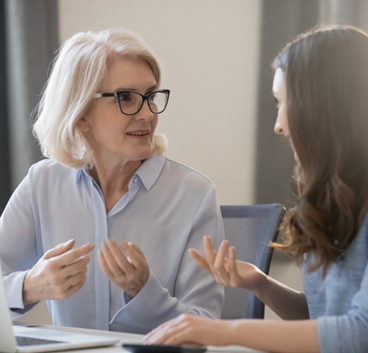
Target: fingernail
[69,241]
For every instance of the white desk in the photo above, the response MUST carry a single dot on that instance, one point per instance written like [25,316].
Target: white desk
[133,338]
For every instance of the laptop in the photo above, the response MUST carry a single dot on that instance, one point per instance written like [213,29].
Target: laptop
[15,338]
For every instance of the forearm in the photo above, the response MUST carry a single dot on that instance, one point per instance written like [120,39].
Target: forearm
[284,301]
[276,336]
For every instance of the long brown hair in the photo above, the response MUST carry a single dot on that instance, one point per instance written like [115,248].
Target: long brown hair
[326,73]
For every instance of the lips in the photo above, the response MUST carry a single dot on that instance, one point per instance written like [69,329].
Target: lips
[138,133]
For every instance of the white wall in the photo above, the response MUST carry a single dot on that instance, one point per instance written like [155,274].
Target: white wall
[209,50]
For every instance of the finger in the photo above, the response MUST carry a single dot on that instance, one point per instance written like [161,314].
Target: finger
[104,266]
[221,254]
[200,260]
[160,337]
[74,280]
[79,265]
[61,286]
[175,333]
[58,276]
[233,269]
[74,254]
[159,333]
[74,285]
[134,255]
[117,256]
[60,249]
[137,250]
[208,250]
[179,336]
[110,259]
[221,275]
[73,289]
[166,324]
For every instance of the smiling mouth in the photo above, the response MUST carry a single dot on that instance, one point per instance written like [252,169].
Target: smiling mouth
[138,133]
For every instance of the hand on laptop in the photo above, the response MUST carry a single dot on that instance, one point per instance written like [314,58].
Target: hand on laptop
[193,330]
[59,273]
[125,265]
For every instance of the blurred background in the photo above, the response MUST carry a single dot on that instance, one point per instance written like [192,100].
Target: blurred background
[215,56]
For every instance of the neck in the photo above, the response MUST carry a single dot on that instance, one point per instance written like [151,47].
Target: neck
[114,180]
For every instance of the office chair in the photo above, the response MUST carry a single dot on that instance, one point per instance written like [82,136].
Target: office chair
[250,228]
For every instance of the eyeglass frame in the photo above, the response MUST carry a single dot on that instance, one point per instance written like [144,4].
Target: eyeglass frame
[144,98]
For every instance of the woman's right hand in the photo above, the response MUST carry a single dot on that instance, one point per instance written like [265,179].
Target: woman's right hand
[228,270]
[58,274]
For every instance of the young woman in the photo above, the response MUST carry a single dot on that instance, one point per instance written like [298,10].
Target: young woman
[106,184]
[321,89]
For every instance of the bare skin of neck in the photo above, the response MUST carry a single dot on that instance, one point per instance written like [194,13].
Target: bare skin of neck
[114,180]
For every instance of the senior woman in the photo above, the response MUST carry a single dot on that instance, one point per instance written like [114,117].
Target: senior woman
[105,184]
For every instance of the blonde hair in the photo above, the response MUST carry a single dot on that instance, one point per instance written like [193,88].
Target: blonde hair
[77,73]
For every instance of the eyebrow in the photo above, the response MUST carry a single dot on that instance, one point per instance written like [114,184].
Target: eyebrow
[152,88]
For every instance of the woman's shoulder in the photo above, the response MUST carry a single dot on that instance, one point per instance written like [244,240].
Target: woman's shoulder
[186,172]
[48,168]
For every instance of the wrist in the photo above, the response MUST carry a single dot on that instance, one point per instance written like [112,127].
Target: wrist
[28,295]
[259,283]
[235,332]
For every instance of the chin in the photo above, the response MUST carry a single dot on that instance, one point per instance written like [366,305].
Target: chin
[142,156]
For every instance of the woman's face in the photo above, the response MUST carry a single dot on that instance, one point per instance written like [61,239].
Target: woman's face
[113,136]
[280,94]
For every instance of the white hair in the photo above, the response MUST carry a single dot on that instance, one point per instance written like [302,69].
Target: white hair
[77,73]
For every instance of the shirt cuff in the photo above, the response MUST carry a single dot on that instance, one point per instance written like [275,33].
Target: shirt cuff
[134,312]
[14,289]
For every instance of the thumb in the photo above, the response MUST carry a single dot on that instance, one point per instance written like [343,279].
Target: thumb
[59,249]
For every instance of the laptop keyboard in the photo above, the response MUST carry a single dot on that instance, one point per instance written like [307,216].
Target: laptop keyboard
[30,341]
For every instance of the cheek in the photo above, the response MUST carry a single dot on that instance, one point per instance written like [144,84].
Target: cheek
[154,123]
[283,118]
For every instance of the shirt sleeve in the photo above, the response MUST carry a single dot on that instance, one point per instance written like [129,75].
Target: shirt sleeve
[195,293]
[18,245]
[349,332]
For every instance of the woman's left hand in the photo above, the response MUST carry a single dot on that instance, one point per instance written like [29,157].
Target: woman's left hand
[189,329]
[125,265]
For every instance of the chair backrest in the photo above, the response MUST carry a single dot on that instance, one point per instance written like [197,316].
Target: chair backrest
[250,228]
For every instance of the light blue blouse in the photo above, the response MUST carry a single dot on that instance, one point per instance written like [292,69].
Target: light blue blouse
[167,210]
[340,301]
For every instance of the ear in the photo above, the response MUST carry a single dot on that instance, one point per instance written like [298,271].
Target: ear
[83,124]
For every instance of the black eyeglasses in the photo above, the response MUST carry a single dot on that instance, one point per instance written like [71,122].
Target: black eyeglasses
[130,103]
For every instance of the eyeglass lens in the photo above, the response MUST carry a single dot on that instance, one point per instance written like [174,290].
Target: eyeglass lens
[131,102]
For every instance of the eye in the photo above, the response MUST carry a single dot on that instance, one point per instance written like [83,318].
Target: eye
[125,97]
[277,102]
[152,97]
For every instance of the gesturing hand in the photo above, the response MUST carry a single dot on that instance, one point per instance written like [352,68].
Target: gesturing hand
[58,274]
[228,271]
[125,265]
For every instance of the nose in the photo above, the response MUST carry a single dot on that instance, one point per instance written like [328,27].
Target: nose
[278,128]
[145,112]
